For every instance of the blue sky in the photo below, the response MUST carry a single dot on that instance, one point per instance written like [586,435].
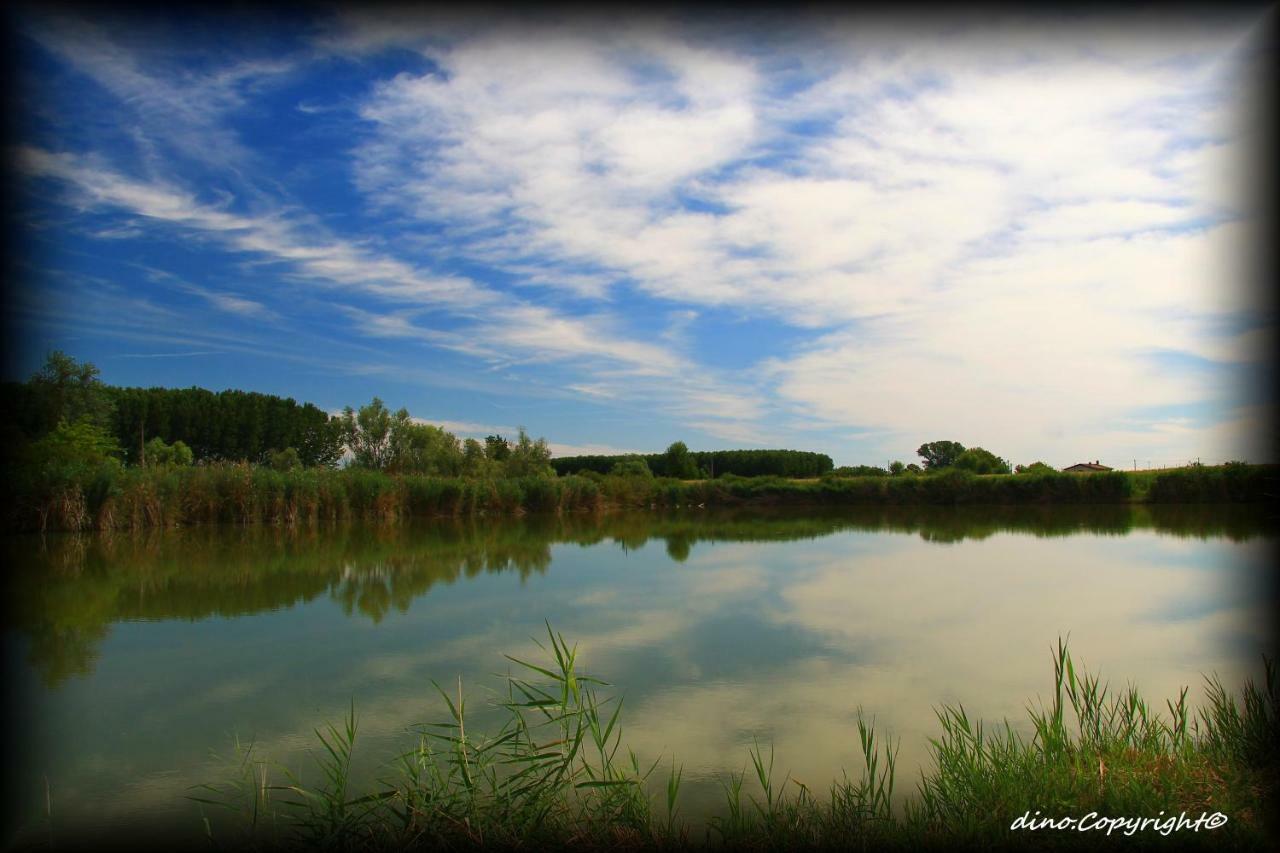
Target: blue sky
[837,234]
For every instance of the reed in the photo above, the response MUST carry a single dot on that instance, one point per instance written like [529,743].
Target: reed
[135,498]
[556,774]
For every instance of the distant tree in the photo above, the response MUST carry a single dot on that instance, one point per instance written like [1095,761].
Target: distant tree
[71,457]
[981,461]
[284,460]
[1035,468]
[369,434]
[474,461]
[679,463]
[940,454]
[631,466]
[425,449]
[320,442]
[859,471]
[896,468]
[161,455]
[528,457]
[68,390]
[913,468]
[496,448]
[76,445]
[226,425]
[717,463]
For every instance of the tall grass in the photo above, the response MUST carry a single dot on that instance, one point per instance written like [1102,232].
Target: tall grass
[112,498]
[556,774]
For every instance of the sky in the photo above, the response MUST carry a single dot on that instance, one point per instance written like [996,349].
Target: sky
[847,234]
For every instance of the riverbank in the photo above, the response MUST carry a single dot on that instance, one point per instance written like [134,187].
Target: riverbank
[135,498]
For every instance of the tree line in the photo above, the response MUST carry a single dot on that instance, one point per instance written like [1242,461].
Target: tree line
[64,412]
[65,415]
[680,462]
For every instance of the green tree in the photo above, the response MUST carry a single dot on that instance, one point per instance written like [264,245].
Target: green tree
[496,448]
[528,458]
[227,425]
[161,455]
[896,467]
[370,436]
[1035,468]
[678,462]
[940,454]
[474,461]
[859,471]
[70,391]
[284,460]
[981,461]
[67,473]
[425,449]
[80,445]
[631,466]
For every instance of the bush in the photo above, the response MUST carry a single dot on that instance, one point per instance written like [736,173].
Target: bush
[632,466]
[284,460]
[161,455]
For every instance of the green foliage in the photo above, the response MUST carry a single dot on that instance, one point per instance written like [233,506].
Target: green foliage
[940,454]
[717,463]
[474,461]
[631,466]
[368,434]
[977,460]
[897,468]
[395,443]
[528,458]
[161,455]
[68,390]
[284,460]
[425,449]
[678,463]
[95,493]
[1233,482]
[78,444]
[226,426]
[859,471]
[496,448]
[64,477]
[1035,468]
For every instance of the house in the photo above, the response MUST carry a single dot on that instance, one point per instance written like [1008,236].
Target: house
[1086,467]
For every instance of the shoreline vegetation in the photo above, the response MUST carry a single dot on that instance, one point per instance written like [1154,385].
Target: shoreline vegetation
[88,456]
[558,774]
[117,498]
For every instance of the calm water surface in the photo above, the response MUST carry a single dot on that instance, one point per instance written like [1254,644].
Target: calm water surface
[136,658]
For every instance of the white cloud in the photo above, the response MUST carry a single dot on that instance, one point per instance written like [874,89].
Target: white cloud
[1007,233]
[1017,227]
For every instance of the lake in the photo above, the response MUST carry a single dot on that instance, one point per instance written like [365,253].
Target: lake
[135,658]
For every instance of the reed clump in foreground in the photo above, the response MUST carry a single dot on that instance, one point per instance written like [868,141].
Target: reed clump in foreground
[556,774]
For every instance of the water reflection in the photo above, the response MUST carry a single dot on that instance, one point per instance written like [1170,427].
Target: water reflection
[145,652]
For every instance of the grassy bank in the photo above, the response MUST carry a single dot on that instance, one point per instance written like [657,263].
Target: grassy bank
[114,498]
[558,774]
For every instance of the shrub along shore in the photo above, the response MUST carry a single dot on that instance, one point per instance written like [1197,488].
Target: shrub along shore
[131,498]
